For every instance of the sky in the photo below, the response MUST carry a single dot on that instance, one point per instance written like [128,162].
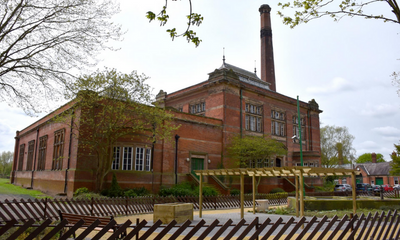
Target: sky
[345,66]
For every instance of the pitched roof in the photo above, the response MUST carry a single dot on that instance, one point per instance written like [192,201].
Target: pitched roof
[375,169]
[246,76]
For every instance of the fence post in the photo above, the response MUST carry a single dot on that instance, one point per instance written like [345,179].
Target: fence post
[126,205]
[137,224]
[257,223]
[91,206]
[45,208]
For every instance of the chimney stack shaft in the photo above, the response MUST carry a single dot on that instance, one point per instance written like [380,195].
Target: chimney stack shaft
[267,54]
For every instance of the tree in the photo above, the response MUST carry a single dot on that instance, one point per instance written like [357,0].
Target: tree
[193,19]
[395,164]
[6,158]
[336,146]
[110,105]
[42,42]
[253,151]
[307,10]
[367,157]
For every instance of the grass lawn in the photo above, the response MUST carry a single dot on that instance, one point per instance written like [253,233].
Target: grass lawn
[7,188]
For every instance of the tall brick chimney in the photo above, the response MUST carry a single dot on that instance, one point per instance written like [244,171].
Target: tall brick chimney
[267,53]
[373,155]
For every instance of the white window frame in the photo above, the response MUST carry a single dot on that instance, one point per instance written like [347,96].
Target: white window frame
[396,180]
[127,158]
[116,158]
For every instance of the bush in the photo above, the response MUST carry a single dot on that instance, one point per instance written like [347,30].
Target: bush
[277,190]
[115,190]
[187,189]
[235,192]
[208,190]
[80,191]
[134,192]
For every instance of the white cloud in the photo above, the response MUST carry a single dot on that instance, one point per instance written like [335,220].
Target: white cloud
[388,131]
[380,110]
[336,85]
[368,144]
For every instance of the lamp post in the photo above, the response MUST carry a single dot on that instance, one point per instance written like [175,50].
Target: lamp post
[300,140]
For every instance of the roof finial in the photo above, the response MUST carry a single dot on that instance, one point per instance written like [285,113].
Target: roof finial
[255,69]
[223,56]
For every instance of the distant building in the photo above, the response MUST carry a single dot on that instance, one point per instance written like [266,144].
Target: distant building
[374,173]
[231,101]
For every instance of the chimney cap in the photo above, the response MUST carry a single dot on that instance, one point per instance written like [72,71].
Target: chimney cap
[264,8]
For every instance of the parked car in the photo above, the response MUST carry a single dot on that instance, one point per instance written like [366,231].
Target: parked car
[342,188]
[365,187]
[396,187]
[376,188]
[387,187]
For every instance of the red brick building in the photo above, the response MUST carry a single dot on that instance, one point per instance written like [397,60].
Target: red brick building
[231,101]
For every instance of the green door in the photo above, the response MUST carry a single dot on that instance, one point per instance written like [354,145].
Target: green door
[378,181]
[197,164]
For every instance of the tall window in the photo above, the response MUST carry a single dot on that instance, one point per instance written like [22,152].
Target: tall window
[127,158]
[143,157]
[58,149]
[396,180]
[198,108]
[253,118]
[42,153]
[31,150]
[296,126]
[116,158]
[278,123]
[21,156]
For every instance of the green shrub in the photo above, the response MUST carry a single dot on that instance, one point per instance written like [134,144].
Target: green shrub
[176,191]
[235,191]
[115,190]
[187,189]
[277,190]
[80,191]
[89,196]
[208,190]
[130,193]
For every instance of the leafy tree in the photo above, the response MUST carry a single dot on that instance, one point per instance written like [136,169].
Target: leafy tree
[336,146]
[192,19]
[110,105]
[254,151]
[307,10]
[395,164]
[367,157]
[6,158]
[42,41]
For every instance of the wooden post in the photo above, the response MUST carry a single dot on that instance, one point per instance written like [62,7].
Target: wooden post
[297,195]
[301,194]
[254,194]
[201,196]
[241,195]
[353,181]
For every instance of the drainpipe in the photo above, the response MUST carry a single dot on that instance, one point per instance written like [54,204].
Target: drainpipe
[15,157]
[69,151]
[241,112]
[152,161]
[176,158]
[34,161]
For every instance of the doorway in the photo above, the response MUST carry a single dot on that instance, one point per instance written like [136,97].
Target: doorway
[197,164]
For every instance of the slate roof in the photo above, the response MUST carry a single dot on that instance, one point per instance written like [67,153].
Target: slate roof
[376,169]
[246,76]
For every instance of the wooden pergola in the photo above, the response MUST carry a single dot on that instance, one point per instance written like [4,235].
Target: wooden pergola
[298,172]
